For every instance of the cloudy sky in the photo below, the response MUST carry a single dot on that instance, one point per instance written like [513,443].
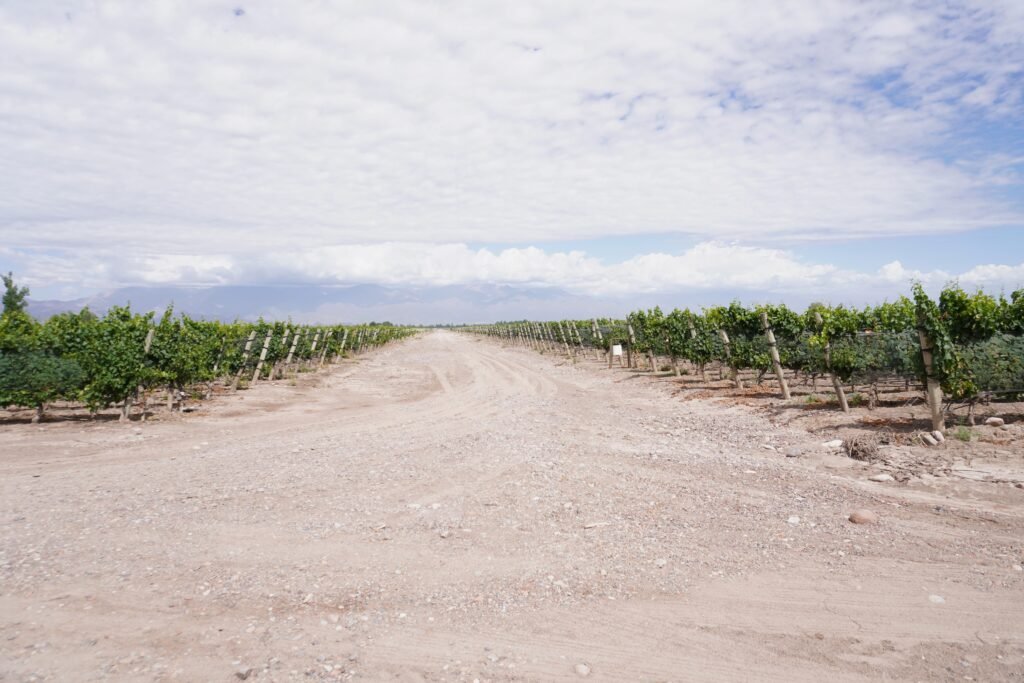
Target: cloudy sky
[760,150]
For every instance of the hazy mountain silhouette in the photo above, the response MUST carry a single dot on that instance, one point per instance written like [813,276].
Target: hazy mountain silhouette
[355,303]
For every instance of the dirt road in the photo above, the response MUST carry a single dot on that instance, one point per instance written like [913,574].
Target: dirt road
[449,509]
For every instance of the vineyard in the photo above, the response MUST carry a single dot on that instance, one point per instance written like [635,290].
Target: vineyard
[126,359]
[961,350]
[474,508]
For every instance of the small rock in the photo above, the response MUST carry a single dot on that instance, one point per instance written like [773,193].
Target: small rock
[793,520]
[794,452]
[582,670]
[937,435]
[995,421]
[1018,568]
[243,674]
[881,477]
[660,562]
[936,599]
[834,444]
[929,439]
[863,517]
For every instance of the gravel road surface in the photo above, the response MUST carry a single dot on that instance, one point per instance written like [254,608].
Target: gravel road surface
[448,509]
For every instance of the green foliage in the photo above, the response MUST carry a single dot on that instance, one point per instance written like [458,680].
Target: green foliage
[183,351]
[968,317]
[1011,313]
[14,296]
[977,340]
[115,361]
[996,364]
[18,332]
[35,378]
[648,327]
[103,361]
[948,367]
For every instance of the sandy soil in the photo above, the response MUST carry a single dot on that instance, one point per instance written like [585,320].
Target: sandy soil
[449,509]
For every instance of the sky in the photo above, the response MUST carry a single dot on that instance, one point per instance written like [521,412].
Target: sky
[831,149]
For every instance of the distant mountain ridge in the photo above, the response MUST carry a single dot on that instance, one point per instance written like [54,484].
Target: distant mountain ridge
[340,304]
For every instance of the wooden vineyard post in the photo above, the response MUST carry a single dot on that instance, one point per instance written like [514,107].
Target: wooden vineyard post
[837,386]
[652,359]
[703,370]
[263,357]
[673,358]
[312,349]
[773,351]
[579,339]
[565,344]
[291,351]
[323,352]
[933,388]
[245,358]
[275,371]
[611,356]
[728,358]
[341,347]
[629,348]
[126,409]
[220,354]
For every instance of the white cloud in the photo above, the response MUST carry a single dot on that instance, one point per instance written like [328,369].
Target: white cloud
[728,269]
[180,127]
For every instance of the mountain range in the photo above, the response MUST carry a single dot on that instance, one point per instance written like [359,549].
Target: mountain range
[346,304]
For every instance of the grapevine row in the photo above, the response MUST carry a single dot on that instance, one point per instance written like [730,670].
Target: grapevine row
[961,348]
[122,357]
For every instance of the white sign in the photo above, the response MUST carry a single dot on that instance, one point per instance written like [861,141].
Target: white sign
[616,349]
